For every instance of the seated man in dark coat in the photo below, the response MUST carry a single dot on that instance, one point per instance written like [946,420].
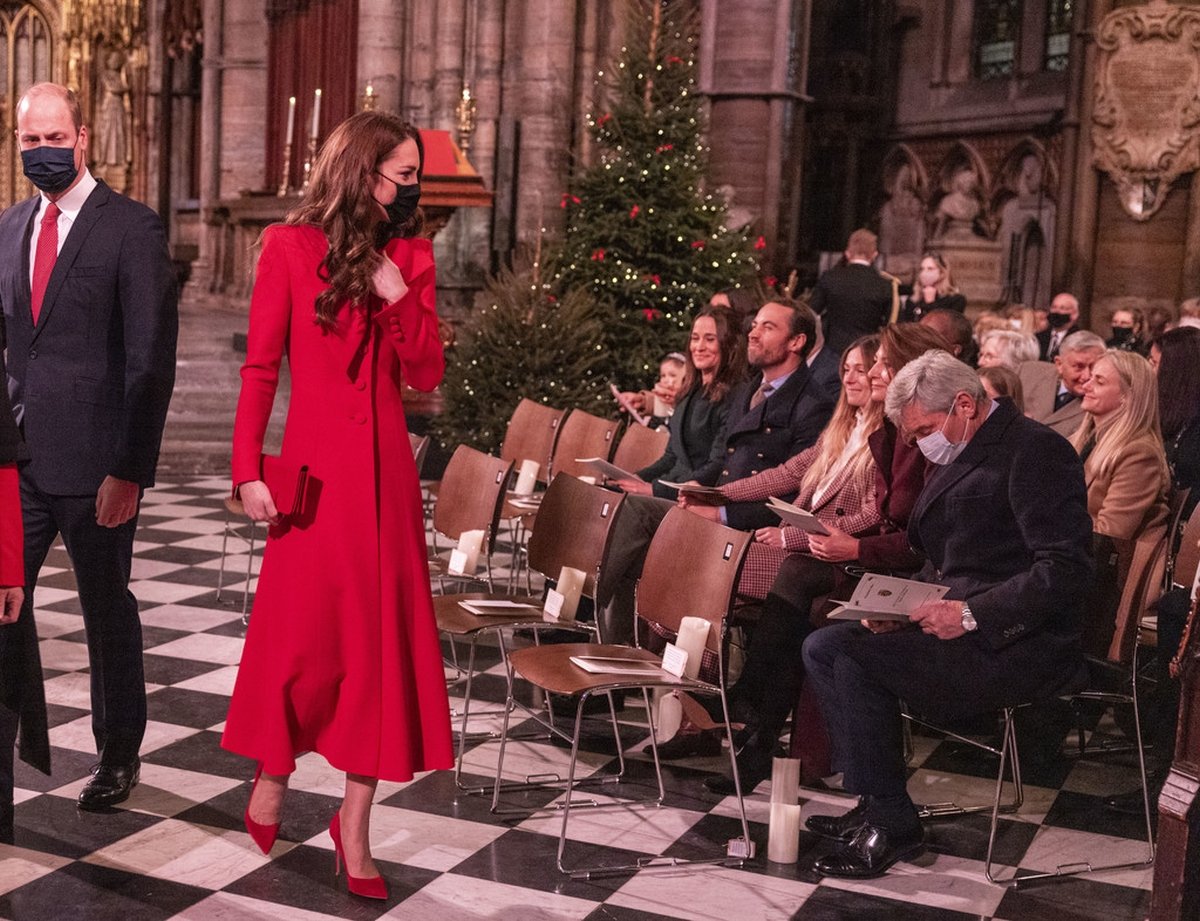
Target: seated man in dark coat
[1003,522]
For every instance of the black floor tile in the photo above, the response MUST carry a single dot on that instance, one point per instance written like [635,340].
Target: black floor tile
[303,878]
[203,753]
[54,824]
[829,904]
[1088,813]
[1075,899]
[187,556]
[521,858]
[99,894]
[187,708]
[170,670]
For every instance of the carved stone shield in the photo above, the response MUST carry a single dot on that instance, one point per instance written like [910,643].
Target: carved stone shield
[1147,103]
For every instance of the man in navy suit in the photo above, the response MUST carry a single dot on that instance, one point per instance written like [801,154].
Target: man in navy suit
[853,299]
[1003,522]
[90,315]
[779,412]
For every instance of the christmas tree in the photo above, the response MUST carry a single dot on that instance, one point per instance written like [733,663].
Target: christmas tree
[642,235]
[526,342]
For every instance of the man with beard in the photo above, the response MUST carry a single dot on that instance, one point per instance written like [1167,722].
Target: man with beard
[779,412]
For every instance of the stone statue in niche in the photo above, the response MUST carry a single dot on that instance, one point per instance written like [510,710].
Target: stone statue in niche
[902,223]
[737,217]
[1027,222]
[111,138]
[958,213]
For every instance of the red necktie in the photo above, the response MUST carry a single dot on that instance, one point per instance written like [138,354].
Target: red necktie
[43,258]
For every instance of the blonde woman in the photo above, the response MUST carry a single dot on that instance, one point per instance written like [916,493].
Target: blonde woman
[1125,468]
[1120,442]
[934,288]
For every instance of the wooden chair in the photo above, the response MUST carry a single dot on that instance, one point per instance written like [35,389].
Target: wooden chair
[532,434]
[582,435]
[1141,587]
[640,447]
[691,568]
[573,529]
[470,498]
[1187,559]
[420,447]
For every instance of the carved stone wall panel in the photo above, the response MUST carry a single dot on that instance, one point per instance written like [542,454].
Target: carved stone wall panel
[1147,101]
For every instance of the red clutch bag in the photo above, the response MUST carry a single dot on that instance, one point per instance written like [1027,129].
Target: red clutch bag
[288,484]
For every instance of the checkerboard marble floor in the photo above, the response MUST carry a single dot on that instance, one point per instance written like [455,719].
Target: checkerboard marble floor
[177,848]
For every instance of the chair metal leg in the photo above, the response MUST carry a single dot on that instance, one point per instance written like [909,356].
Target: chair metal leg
[1007,733]
[221,568]
[249,573]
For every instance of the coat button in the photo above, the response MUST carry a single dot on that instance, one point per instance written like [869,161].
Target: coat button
[724,473]
[729,451]
[32,353]
[767,430]
[359,418]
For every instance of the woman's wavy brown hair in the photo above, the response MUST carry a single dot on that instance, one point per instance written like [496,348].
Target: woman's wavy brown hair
[339,201]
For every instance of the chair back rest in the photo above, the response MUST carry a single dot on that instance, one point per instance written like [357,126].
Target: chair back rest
[691,569]
[1142,586]
[420,447]
[1177,503]
[531,434]
[640,447]
[1187,560]
[582,435]
[572,528]
[471,495]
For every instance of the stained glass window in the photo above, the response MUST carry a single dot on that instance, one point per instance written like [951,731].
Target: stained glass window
[1058,33]
[996,27]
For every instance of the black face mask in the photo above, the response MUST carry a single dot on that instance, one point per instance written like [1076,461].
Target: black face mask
[1058,320]
[51,169]
[1121,334]
[401,208]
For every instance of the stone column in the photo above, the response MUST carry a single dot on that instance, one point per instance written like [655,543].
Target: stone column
[381,51]
[1075,241]
[202,279]
[545,45]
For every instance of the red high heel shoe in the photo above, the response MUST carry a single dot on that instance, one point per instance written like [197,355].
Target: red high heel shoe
[262,835]
[371,887]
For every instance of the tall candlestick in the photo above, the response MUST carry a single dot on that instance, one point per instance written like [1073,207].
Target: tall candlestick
[291,124]
[316,115]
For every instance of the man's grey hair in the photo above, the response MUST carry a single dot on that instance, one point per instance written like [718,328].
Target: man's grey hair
[1017,347]
[1080,341]
[932,380]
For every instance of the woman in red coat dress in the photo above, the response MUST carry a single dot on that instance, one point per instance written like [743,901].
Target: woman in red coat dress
[342,654]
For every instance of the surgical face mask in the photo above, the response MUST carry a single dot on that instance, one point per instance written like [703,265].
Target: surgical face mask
[403,206]
[938,449]
[1058,320]
[1121,334]
[51,169]
[929,278]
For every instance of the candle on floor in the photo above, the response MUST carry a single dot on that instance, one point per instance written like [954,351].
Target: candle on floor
[783,833]
[785,780]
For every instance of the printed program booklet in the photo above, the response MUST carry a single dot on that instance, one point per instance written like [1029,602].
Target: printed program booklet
[887,598]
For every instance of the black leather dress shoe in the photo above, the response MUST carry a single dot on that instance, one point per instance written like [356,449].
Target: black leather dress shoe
[870,853]
[839,827]
[688,744]
[109,785]
[754,766]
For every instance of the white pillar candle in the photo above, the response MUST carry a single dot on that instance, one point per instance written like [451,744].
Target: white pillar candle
[692,639]
[590,480]
[316,115]
[570,586]
[291,122]
[465,559]
[527,477]
[783,833]
[785,780]
[668,714]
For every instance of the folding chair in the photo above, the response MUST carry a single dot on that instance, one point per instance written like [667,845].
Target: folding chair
[573,529]
[691,568]
[582,435]
[640,447]
[1140,587]
[470,498]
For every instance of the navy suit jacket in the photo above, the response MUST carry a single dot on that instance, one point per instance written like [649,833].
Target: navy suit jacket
[852,300]
[91,383]
[1006,527]
[788,421]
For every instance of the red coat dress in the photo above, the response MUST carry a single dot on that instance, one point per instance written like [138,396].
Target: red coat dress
[342,654]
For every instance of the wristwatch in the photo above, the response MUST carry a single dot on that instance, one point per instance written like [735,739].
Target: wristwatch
[968,619]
